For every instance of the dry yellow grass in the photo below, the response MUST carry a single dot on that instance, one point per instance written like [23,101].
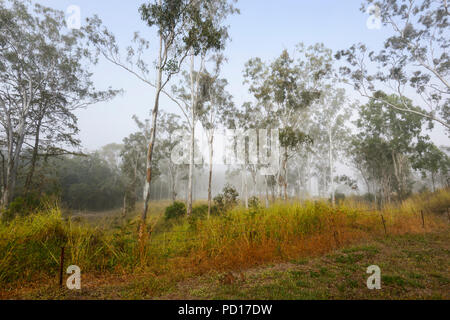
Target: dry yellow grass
[29,247]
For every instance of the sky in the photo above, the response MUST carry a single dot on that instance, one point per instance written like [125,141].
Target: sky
[263,29]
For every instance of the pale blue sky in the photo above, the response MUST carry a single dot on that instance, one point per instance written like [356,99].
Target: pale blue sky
[263,29]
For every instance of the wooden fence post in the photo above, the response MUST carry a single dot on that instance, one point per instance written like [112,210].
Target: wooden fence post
[336,238]
[423,219]
[384,225]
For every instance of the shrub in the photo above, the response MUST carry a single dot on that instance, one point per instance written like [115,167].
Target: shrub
[24,206]
[200,212]
[175,210]
[226,200]
[254,205]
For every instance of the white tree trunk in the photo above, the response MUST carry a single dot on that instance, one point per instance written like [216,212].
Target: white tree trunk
[151,143]
[192,141]
[211,154]
[244,179]
[331,164]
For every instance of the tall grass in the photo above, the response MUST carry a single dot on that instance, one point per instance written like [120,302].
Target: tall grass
[30,246]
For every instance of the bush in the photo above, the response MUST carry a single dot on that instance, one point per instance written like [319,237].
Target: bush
[24,206]
[200,212]
[175,210]
[226,200]
[254,205]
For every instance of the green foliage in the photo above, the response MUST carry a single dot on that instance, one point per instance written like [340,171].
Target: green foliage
[226,200]
[25,205]
[30,246]
[254,205]
[387,139]
[199,29]
[88,183]
[292,139]
[433,162]
[199,212]
[253,202]
[175,211]
[409,58]
[35,42]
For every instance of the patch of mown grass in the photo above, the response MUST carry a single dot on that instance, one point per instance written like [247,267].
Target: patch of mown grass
[443,280]
[368,250]
[349,258]
[393,280]
[281,289]
[301,261]
[147,288]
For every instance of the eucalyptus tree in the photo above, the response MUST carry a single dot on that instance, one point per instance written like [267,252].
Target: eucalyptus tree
[191,91]
[134,152]
[284,88]
[168,139]
[414,62]
[43,79]
[183,29]
[387,143]
[245,143]
[432,162]
[216,105]
[53,128]
[132,163]
[332,132]
[302,169]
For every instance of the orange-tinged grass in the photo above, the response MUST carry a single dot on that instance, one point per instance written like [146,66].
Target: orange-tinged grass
[241,253]
[239,240]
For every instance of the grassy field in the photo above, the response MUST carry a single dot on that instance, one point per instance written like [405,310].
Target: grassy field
[291,250]
[412,267]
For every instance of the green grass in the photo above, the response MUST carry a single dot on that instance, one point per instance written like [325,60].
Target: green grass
[239,240]
[326,278]
[313,278]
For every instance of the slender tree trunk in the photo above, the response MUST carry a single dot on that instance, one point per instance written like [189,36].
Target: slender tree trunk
[285,174]
[211,154]
[255,186]
[173,178]
[432,181]
[191,169]
[3,176]
[331,164]
[173,183]
[34,157]
[14,151]
[192,142]
[12,167]
[124,210]
[244,185]
[267,191]
[151,144]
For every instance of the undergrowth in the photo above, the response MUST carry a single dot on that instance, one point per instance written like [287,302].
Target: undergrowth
[30,246]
